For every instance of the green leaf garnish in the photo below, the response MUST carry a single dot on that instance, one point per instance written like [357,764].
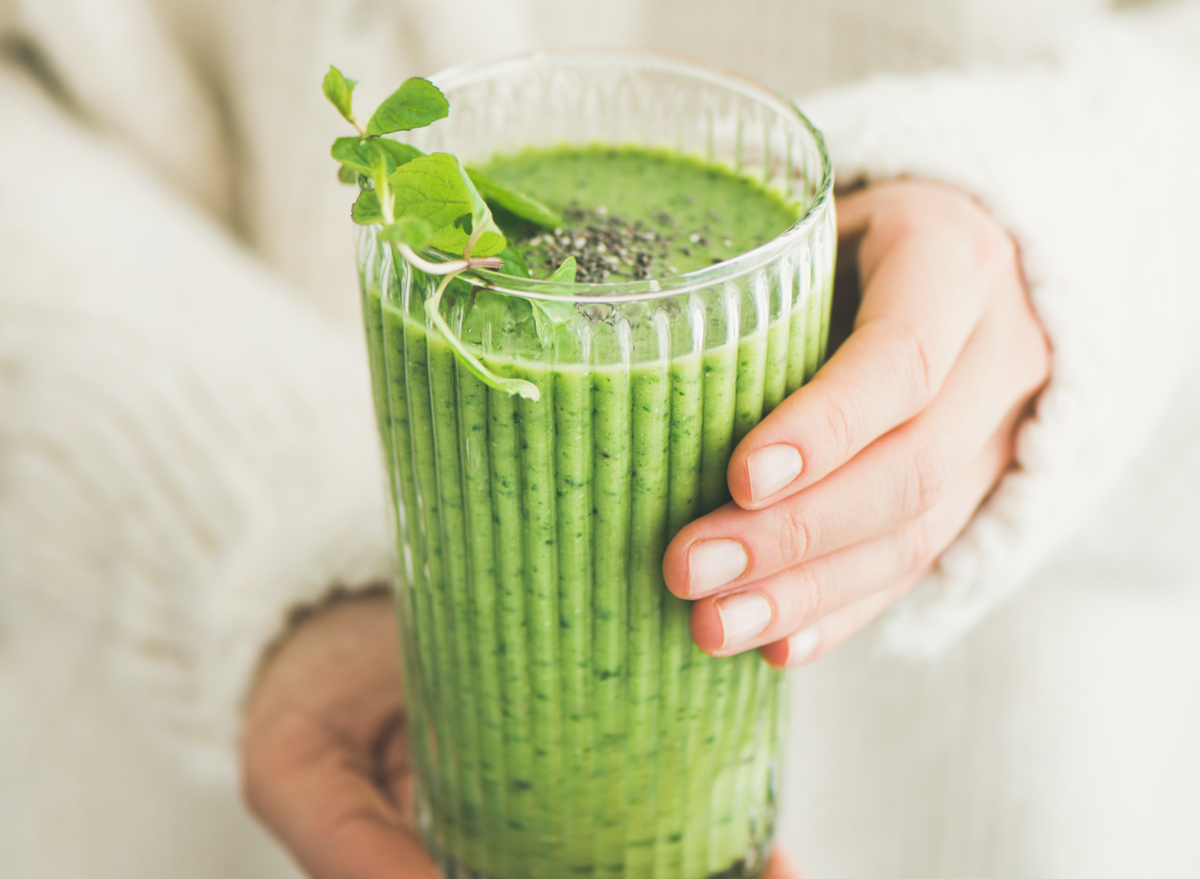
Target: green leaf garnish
[355,153]
[425,202]
[516,203]
[366,210]
[435,189]
[565,273]
[417,103]
[488,308]
[340,92]
[413,231]
[548,313]
[514,263]
[482,222]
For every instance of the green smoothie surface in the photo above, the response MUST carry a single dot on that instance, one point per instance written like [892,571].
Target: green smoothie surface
[632,213]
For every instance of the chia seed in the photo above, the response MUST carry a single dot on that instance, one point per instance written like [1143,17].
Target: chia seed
[604,245]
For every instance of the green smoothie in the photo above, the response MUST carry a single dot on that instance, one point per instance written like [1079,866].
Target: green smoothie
[640,212]
[562,721]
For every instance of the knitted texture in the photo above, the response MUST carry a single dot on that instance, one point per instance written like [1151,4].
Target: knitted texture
[186,447]
[1088,163]
[186,454]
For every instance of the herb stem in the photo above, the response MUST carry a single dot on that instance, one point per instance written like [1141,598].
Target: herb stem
[449,269]
[510,386]
[471,241]
[383,191]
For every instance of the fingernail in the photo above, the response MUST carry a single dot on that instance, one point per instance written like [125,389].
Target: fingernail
[772,468]
[712,564]
[802,645]
[743,616]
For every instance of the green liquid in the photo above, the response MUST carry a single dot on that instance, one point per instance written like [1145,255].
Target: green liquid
[562,721]
[699,214]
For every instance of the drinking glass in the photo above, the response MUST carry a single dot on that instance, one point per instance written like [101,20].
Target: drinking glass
[561,720]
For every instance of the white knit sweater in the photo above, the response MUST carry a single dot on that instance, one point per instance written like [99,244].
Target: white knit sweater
[186,443]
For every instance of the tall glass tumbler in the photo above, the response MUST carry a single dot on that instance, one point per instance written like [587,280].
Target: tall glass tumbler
[562,722]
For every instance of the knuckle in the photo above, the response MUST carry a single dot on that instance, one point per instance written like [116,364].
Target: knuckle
[917,548]
[794,537]
[923,372]
[839,426]
[807,596]
[917,365]
[925,479]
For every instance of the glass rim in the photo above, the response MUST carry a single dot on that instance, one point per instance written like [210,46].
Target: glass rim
[687,282]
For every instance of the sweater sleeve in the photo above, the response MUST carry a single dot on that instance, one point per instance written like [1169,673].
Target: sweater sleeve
[186,452]
[1089,159]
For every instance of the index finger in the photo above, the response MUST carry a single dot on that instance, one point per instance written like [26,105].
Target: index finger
[928,263]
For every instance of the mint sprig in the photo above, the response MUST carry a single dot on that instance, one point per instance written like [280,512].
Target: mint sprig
[417,103]
[340,92]
[431,203]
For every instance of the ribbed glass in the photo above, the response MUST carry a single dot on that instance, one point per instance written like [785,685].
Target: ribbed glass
[562,721]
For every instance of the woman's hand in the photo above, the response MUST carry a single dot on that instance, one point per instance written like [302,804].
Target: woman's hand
[324,757]
[845,495]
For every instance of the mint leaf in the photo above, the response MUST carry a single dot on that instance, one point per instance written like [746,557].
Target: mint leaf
[347,174]
[355,153]
[435,189]
[417,103]
[366,210]
[514,263]
[565,273]
[413,231]
[488,309]
[397,153]
[352,152]
[516,203]
[547,314]
[482,222]
[339,91]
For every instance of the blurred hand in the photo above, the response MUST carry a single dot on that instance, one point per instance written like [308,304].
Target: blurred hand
[780,867]
[325,762]
[846,494]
